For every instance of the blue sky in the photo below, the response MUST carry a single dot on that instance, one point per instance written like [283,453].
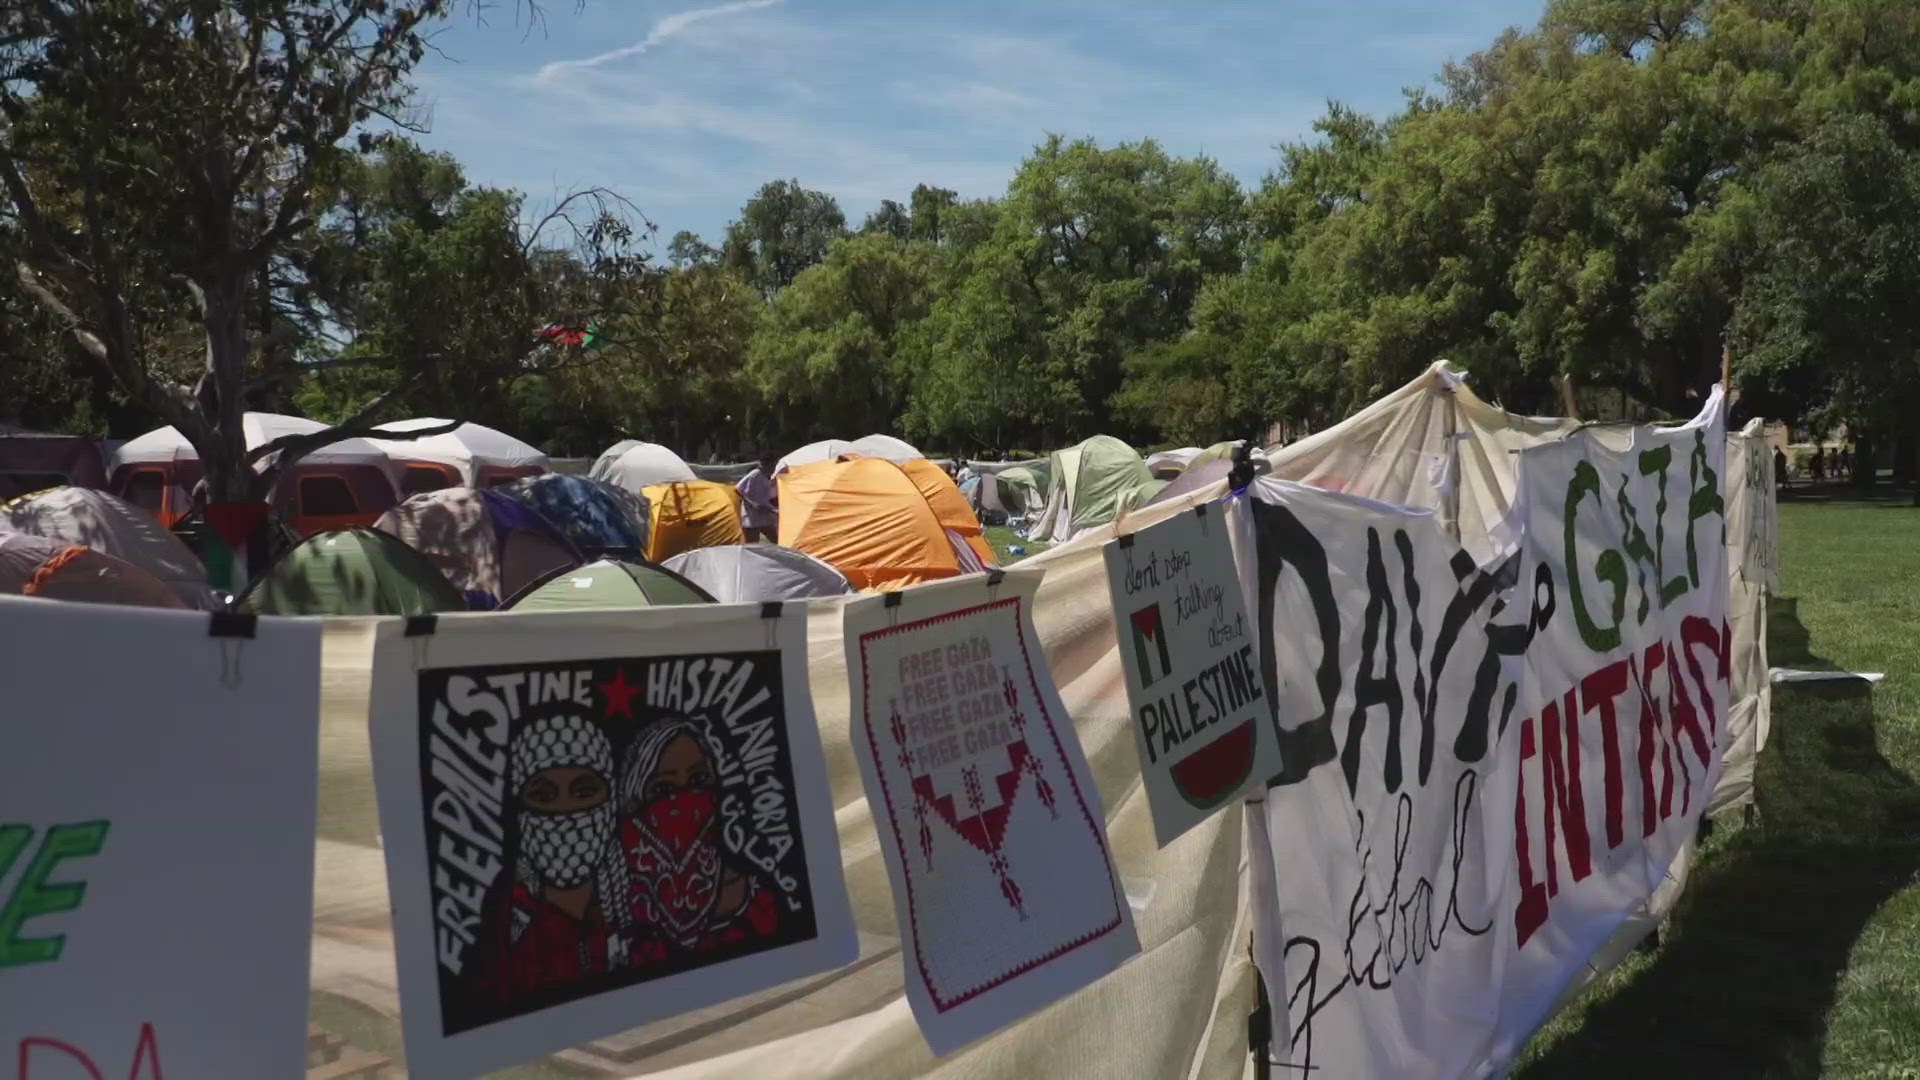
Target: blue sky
[687,107]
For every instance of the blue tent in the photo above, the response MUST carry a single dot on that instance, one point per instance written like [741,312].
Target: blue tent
[597,517]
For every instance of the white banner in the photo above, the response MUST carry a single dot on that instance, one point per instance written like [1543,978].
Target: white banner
[156,850]
[1615,762]
[595,820]
[1487,770]
[1373,917]
[1203,721]
[987,815]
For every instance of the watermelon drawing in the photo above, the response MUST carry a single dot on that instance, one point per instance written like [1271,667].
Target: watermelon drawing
[1212,774]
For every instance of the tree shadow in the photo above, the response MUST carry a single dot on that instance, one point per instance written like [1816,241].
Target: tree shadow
[1750,965]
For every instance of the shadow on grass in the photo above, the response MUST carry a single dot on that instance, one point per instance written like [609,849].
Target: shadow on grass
[1743,984]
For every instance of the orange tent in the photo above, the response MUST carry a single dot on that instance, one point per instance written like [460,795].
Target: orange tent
[948,505]
[866,518]
[687,514]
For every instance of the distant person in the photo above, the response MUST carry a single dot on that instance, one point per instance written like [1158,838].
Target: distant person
[760,503]
[1779,467]
[1817,467]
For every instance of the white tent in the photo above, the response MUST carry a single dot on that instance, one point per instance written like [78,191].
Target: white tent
[639,465]
[743,573]
[111,526]
[470,449]
[168,445]
[876,446]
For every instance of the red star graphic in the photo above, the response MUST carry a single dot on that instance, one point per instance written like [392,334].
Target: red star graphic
[619,695]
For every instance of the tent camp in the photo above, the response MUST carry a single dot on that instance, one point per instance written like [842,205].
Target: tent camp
[637,466]
[1092,484]
[471,455]
[885,447]
[351,572]
[749,573]
[31,461]
[948,505]
[595,516]
[865,517]
[686,515]
[56,570]
[347,483]
[113,527]
[608,583]
[487,545]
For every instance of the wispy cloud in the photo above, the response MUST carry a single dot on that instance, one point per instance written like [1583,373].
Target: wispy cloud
[663,31]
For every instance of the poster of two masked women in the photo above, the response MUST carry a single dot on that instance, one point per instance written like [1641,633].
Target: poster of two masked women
[645,826]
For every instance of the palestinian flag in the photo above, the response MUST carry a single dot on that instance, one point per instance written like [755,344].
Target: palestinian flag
[572,337]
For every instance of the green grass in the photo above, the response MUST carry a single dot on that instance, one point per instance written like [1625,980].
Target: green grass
[1003,538]
[1795,951]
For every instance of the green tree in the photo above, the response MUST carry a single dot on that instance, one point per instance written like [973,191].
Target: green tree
[156,155]
[782,230]
[827,353]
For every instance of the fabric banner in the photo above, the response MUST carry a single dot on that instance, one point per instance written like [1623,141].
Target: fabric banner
[593,820]
[1204,721]
[1004,887]
[1490,771]
[1370,856]
[156,868]
[1624,584]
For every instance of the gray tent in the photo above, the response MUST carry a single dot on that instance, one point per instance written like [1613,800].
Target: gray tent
[737,573]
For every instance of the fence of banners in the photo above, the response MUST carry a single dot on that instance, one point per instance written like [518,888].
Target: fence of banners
[1434,730]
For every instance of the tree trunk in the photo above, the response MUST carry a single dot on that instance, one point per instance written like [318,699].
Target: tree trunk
[229,478]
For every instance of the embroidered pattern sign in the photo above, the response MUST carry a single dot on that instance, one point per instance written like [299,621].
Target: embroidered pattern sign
[156,845]
[604,839]
[1203,721]
[988,819]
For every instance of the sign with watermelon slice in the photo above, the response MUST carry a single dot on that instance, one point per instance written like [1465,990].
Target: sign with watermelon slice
[1203,719]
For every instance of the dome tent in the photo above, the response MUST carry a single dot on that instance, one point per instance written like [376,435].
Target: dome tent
[56,570]
[608,583]
[637,466]
[885,447]
[949,507]
[487,545]
[866,518]
[350,482]
[471,455]
[1168,464]
[113,527]
[686,515]
[1092,484]
[748,573]
[595,516]
[351,572]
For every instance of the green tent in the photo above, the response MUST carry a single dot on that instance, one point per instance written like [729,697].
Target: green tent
[608,583]
[1092,484]
[1023,488]
[351,572]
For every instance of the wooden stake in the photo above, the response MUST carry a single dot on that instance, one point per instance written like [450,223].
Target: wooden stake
[1566,397]
[1726,367]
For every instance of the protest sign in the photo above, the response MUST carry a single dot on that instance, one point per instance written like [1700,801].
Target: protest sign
[596,820]
[1609,769]
[987,817]
[156,849]
[1203,721]
[1489,772]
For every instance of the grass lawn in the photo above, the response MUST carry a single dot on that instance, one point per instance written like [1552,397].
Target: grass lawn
[1004,539]
[1795,951]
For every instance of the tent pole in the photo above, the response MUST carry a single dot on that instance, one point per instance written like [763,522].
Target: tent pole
[1453,464]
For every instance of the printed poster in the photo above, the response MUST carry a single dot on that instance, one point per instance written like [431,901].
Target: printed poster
[598,820]
[988,819]
[1203,720]
[156,845]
